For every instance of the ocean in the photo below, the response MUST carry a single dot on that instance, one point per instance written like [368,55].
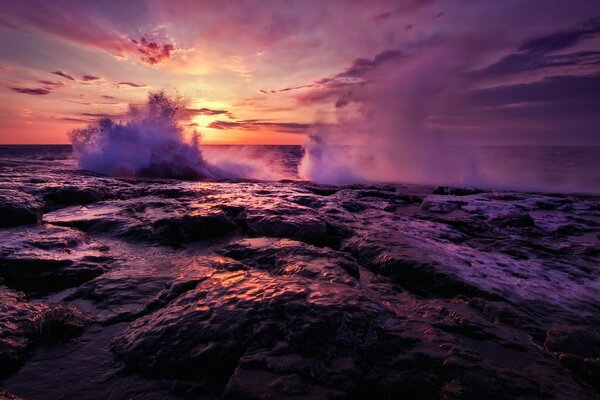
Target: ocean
[535,168]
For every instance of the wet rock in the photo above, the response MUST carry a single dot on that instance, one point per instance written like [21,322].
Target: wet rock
[46,258]
[416,267]
[234,322]
[121,295]
[148,219]
[354,206]
[289,257]
[578,348]
[4,395]
[195,225]
[61,322]
[305,227]
[24,325]
[581,341]
[249,334]
[514,220]
[116,217]
[322,190]
[440,204]
[18,208]
[62,196]
[455,191]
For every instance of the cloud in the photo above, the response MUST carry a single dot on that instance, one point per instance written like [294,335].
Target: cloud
[562,39]
[51,83]
[190,112]
[90,78]
[561,89]
[252,125]
[92,24]
[113,116]
[355,74]
[131,84]
[151,51]
[105,96]
[35,92]
[64,75]
[536,53]
[79,120]
[361,66]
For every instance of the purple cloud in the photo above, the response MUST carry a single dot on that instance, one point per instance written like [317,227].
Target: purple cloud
[35,92]
[90,78]
[64,75]
[131,84]
[251,125]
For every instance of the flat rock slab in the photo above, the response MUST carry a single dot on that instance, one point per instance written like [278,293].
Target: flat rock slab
[18,208]
[49,258]
[24,325]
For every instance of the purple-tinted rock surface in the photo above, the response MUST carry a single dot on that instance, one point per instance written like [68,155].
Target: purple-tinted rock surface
[157,288]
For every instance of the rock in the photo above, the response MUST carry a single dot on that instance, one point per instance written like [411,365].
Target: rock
[204,224]
[581,341]
[289,257]
[578,348]
[24,325]
[4,395]
[322,190]
[514,220]
[455,191]
[412,264]
[121,295]
[234,321]
[304,227]
[18,208]
[46,258]
[62,196]
[147,219]
[440,204]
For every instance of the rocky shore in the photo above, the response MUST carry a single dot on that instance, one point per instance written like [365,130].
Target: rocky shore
[162,289]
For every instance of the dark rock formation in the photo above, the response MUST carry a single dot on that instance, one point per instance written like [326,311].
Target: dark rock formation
[24,325]
[18,208]
[46,258]
[245,289]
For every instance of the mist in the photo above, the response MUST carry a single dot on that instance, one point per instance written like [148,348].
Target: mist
[396,116]
[153,143]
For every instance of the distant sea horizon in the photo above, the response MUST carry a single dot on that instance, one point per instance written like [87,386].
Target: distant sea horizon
[546,168]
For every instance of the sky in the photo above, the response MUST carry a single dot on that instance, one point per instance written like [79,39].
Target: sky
[269,72]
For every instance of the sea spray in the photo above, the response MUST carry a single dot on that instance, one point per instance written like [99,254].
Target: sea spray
[151,143]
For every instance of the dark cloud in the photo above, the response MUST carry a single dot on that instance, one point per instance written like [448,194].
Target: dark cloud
[355,74]
[536,53]
[52,83]
[562,39]
[75,119]
[131,84]
[362,66]
[64,75]
[89,78]
[287,89]
[552,109]
[206,111]
[105,96]
[103,115]
[559,89]
[252,125]
[523,62]
[35,92]
[402,9]
[151,51]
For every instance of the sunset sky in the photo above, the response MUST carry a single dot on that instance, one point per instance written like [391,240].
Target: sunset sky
[514,71]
